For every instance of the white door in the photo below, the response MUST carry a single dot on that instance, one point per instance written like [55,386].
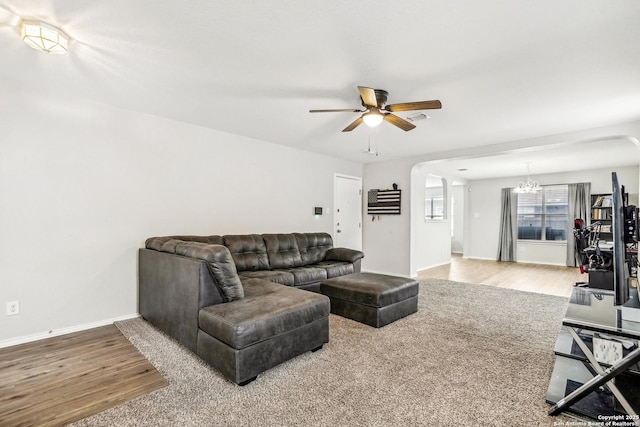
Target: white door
[348,212]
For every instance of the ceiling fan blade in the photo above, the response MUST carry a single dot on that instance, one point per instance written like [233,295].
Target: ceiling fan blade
[410,106]
[353,125]
[397,121]
[368,96]
[346,110]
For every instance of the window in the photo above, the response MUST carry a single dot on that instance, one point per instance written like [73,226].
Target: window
[434,208]
[434,197]
[544,215]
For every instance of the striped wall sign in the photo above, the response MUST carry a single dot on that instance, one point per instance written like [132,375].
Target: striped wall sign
[383,202]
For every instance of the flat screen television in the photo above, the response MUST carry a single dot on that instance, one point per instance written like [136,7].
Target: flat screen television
[620,268]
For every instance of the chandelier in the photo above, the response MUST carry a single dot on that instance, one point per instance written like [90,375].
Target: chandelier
[530,186]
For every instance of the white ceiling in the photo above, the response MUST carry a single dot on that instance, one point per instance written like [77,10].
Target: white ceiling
[605,153]
[504,70]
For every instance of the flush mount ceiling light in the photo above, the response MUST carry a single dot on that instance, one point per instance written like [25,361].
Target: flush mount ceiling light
[44,37]
[530,186]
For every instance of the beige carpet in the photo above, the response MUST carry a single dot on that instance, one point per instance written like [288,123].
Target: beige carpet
[472,356]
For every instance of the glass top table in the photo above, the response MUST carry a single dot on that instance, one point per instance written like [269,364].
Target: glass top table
[593,309]
[577,374]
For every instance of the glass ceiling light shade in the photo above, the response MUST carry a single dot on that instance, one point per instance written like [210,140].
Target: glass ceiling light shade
[372,118]
[527,187]
[44,37]
[530,186]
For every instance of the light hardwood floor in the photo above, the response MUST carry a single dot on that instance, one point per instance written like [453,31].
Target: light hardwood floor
[59,380]
[544,279]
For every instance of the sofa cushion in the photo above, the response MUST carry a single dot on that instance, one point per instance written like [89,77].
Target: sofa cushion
[220,265]
[282,250]
[162,244]
[212,240]
[277,276]
[266,311]
[343,254]
[313,246]
[336,268]
[168,243]
[306,275]
[248,251]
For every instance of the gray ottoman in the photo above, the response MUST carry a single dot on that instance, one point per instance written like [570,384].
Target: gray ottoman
[372,299]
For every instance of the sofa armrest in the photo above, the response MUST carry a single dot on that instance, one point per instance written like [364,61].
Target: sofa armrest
[171,291]
[220,264]
[343,254]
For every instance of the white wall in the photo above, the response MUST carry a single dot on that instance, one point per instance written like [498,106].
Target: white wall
[484,205]
[432,238]
[457,216]
[82,187]
[387,241]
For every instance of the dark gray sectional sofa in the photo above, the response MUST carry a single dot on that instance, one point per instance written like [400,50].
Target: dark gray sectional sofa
[240,302]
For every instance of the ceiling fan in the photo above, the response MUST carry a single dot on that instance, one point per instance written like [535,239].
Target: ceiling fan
[374,101]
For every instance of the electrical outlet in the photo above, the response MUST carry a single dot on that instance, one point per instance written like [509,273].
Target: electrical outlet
[13,307]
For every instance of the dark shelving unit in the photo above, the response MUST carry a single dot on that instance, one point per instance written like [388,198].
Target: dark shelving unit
[601,211]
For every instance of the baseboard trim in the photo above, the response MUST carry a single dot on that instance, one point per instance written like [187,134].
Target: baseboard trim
[433,266]
[555,264]
[63,331]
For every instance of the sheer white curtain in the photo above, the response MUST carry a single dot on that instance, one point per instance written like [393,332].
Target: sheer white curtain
[508,225]
[579,207]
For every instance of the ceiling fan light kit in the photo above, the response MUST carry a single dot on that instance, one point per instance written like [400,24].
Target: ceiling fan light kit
[44,37]
[376,111]
[372,118]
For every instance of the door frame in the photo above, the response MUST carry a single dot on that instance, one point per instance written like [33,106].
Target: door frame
[334,212]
